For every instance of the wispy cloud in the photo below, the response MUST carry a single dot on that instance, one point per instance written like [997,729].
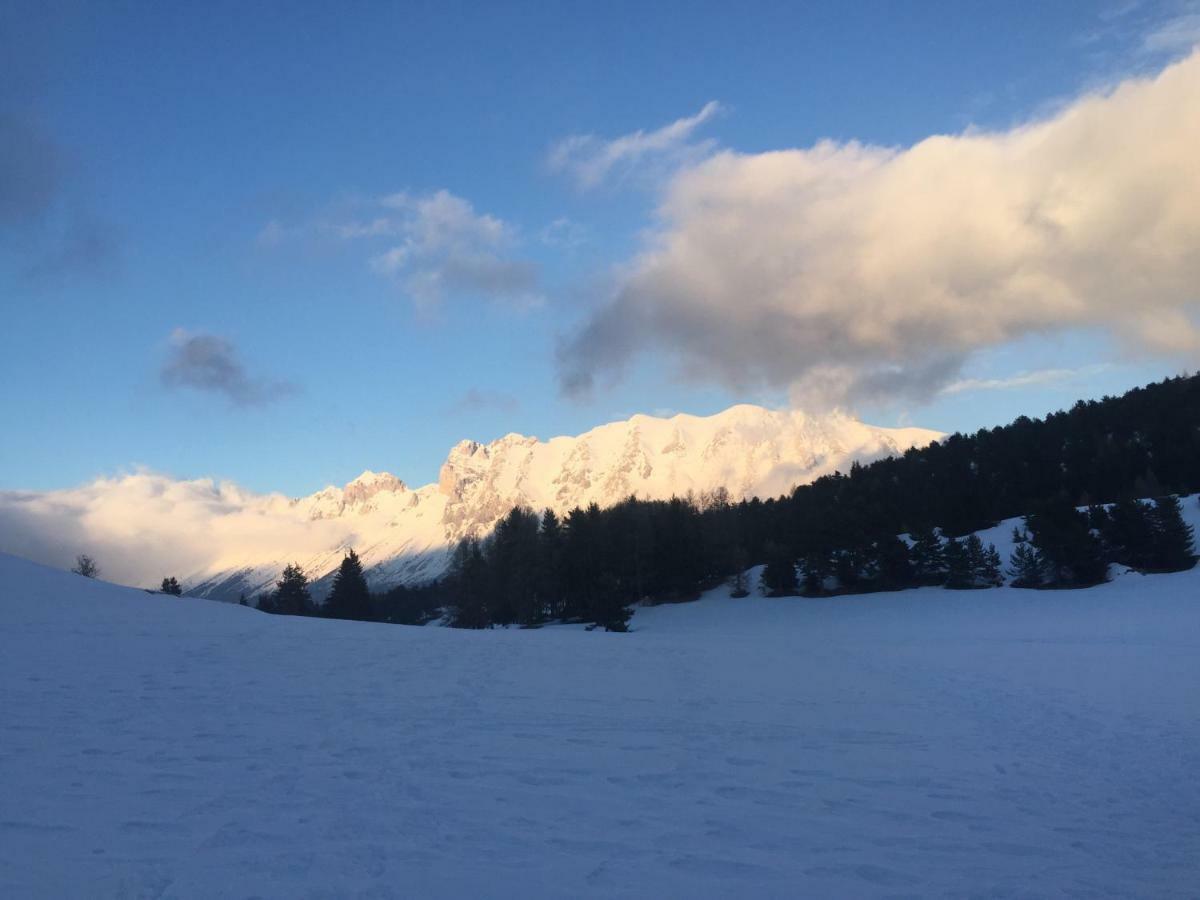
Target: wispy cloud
[447,247]
[564,234]
[590,159]
[432,245]
[481,399]
[209,363]
[1177,34]
[1037,378]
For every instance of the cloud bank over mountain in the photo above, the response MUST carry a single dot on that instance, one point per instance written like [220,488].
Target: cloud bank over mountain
[849,272]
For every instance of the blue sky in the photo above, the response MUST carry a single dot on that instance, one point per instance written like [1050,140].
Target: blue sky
[196,220]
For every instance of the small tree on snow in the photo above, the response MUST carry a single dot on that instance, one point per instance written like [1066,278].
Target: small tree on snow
[291,593]
[349,598]
[86,566]
[171,586]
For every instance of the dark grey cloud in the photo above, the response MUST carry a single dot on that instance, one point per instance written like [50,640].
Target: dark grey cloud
[46,220]
[49,225]
[207,362]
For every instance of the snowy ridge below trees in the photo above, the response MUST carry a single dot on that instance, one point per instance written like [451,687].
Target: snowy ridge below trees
[223,541]
[923,743]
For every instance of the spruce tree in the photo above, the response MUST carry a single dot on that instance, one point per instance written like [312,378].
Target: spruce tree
[1129,534]
[1072,554]
[988,573]
[467,585]
[291,593]
[816,570]
[171,586]
[350,598]
[892,566]
[737,584]
[847,568]
[1026,568]
[779,574]
[958,565]
[928,561]
[610,610]
[550,564]
[1174,545]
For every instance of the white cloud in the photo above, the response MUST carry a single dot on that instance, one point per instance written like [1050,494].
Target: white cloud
[144,526]
[848,271]
[590,159]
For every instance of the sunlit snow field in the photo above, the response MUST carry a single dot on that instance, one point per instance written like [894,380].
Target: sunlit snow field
[928,743]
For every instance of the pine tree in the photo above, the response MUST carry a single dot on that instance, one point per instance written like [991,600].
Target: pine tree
[242,599]
[512,557]
[894,571]
[816,570]
[958,565]
[737,585]
[1072,554]
[550,564]
[466,582]
[171,586]
[988,574]
[779,574]
[1174,545]
[847,568]
[291,593]
[610,610]
[1026,567]
[1129,534]
[928,561]
[350,598]
[1018,536]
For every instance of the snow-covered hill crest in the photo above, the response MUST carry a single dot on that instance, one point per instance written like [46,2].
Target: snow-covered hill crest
[224,541]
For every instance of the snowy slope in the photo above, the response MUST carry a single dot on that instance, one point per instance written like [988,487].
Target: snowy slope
[222,540]
[997,743]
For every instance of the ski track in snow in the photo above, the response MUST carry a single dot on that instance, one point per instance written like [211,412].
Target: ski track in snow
[929,743]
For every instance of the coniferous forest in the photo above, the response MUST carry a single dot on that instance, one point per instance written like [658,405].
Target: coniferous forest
[1074,476]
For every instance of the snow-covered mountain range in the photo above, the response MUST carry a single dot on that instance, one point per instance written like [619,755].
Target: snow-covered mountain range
[236,541]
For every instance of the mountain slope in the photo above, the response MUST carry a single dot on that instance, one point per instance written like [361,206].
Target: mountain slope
[225,541]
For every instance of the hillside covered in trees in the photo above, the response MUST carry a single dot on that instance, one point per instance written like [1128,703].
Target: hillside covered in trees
[840,533]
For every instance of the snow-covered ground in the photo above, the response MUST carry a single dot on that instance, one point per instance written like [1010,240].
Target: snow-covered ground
[927,743]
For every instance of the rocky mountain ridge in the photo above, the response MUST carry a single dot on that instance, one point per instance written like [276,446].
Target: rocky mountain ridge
[405,535]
